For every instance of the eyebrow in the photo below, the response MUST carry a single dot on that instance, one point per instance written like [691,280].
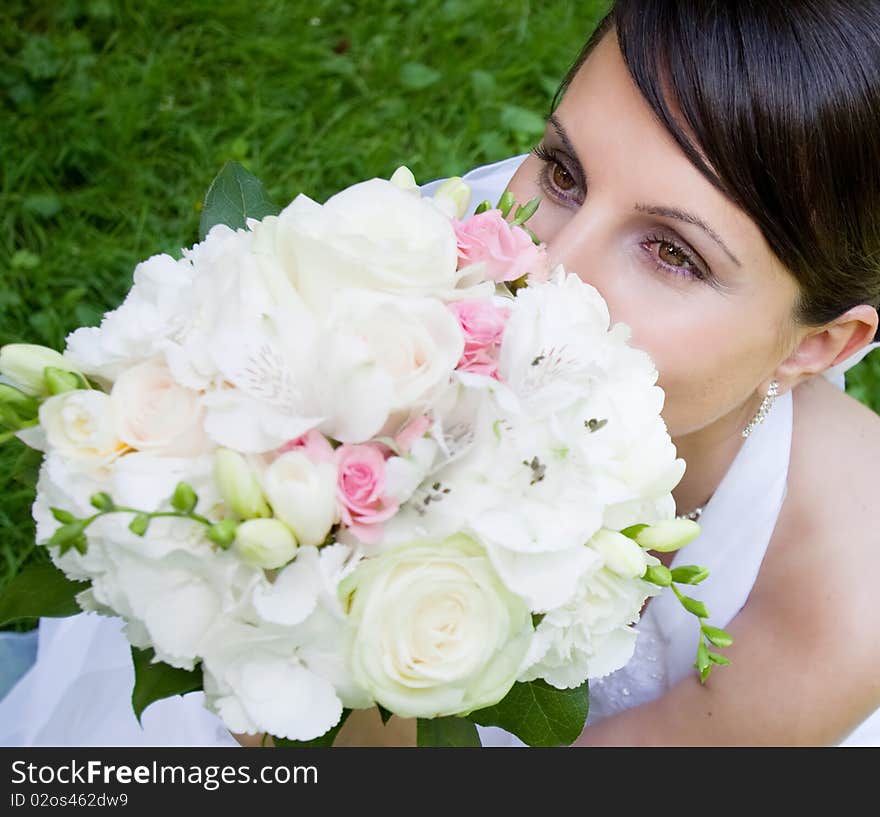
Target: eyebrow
[653,210]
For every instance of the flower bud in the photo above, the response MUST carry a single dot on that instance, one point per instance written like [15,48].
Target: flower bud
[658,574]
[222,533]
[404,179]
[668,535]
[184,498]
[25,363]
[453,196]
[266,543]
[303,495]
[238,485]
[59,381]
[621,555]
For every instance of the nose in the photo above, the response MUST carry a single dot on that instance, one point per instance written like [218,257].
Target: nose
[582,241]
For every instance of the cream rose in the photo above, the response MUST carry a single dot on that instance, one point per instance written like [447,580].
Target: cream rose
[436,633]
[156,414]
[80,425]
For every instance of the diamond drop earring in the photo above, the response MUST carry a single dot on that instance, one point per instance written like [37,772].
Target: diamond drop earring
[763,410]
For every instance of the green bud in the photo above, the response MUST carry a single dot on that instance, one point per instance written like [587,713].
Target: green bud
[668,535]
[238,485]
[65,536]
[64,517]
[453,196]
[658,574]
[718,658]
[222,533]
[719,637]
[184,498]
[25,363]
[483,206]
[690,574]
[694,606]
[138,526]
[59,381]
[702,657]
[524,213]
[633,530]
[102,501]
[403,178]
[506,202]
[266,543]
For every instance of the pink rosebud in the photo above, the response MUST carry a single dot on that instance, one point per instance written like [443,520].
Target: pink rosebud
[507,252]
[411,432]
[482,323]
[313,443]
[360,491]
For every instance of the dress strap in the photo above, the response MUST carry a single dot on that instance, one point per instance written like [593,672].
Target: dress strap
[736,527]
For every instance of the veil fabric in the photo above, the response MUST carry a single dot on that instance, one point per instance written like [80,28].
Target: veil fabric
[78,692]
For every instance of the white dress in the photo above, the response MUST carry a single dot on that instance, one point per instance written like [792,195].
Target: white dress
[78,693]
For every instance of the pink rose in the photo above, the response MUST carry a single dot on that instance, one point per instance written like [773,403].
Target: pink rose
[314,444]
[508,252]
[482,323]
[360,491]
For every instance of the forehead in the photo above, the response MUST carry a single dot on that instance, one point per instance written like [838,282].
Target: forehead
[630,157]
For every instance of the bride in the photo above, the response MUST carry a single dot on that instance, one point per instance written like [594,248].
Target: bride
[712,171]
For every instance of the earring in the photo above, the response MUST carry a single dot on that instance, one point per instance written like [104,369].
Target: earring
[763,410]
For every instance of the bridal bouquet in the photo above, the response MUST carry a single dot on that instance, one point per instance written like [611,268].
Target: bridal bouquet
[366,453]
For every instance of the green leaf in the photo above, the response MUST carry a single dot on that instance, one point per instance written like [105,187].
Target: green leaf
[416,75]
[384,713]
[690,574]
[40,590]
[539,714]
[234,196]
[719,637]
[446,732]
[482,207]
[324,740]
[658,574]
[154,681]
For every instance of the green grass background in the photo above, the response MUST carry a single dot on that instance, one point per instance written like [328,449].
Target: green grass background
[117,115]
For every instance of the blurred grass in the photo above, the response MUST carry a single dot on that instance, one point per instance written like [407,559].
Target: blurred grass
[116,116]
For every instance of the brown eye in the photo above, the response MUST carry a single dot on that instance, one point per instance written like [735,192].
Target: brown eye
[672,255]
[562,178]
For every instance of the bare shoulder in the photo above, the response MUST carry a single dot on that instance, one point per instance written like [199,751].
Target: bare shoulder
[819,573]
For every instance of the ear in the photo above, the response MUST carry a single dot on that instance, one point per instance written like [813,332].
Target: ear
[826,346]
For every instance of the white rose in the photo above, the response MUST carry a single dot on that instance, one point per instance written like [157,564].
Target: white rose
[303,495]
[416,341]
[158,306]
[372,235]
[265,543]
[81,425]
[157,415]
[436,632]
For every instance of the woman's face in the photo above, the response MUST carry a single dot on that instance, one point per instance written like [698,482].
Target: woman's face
[687,270]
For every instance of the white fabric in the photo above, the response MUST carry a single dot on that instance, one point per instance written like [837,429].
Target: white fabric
[79,691]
